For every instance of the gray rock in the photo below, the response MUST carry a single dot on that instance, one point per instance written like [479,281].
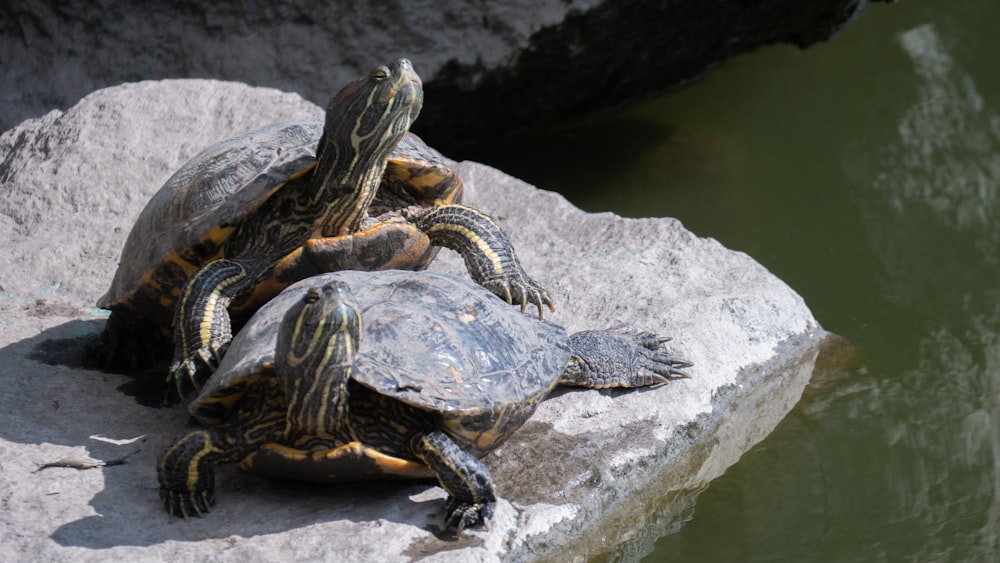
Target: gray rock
[587,474]
[491,66]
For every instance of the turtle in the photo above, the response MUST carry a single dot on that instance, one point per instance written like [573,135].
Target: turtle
[248,216]
[357,375]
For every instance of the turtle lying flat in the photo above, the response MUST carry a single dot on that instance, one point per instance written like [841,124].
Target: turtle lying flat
[367,375]
[251,215]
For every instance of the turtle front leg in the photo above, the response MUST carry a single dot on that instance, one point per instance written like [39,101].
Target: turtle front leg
[187,476]
[202,328]
[620,358]
[186,470]
[486,250]
[472,495]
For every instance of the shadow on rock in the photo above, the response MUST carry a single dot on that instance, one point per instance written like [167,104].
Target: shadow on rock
[91,443]
[147,385]
[247,506]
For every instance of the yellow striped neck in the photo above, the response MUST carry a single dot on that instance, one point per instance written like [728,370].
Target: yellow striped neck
[345,186]
[364,123]
[317,341]
[317,394]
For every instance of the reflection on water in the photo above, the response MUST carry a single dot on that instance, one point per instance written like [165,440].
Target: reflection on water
[864,172]
[931,218]
[901,460]
[932,209]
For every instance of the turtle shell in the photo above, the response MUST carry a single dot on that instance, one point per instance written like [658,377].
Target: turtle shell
[195,209]
[187,221]
[433,341]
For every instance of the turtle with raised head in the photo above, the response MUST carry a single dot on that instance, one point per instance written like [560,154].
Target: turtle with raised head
[248,216]
[369,375]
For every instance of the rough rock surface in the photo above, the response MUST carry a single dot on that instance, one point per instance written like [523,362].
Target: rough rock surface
[554,57]
[587,474]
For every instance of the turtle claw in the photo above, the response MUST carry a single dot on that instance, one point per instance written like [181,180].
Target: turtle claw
[655,363]
[662,365]
[460,514]
[647,339]
[655,374]
[621,357]
[506,296]
[538,297]
[186,503]
[670,366]
[522,291]
[189,374]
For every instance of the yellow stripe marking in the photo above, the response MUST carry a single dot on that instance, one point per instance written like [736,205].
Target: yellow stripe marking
[471,236]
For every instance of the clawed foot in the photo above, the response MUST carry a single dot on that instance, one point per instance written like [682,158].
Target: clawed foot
[655,364]
[186,503]
[189,374]
[521,290]
[621,357]
[460,514]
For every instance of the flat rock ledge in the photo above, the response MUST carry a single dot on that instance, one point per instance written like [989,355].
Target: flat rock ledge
[592,473]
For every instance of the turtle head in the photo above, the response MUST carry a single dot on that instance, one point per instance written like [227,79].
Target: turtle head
[382,104]
[317,341]
[369,116]
[322,318]
[364,123]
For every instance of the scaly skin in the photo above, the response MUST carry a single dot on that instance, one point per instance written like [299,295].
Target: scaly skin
[620,357]
[186,471]
[488,254]
[313,419]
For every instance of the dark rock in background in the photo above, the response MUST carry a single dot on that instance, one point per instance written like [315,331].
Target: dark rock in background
[489,68]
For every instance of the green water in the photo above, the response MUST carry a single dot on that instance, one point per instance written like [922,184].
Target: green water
[865,173]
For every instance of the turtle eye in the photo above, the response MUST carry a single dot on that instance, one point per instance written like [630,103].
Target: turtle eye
[381,73]
[312,295]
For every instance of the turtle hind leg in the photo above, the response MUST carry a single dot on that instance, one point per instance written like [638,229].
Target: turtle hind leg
[487,252]
[128,344]
[471,492]
[620,358]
